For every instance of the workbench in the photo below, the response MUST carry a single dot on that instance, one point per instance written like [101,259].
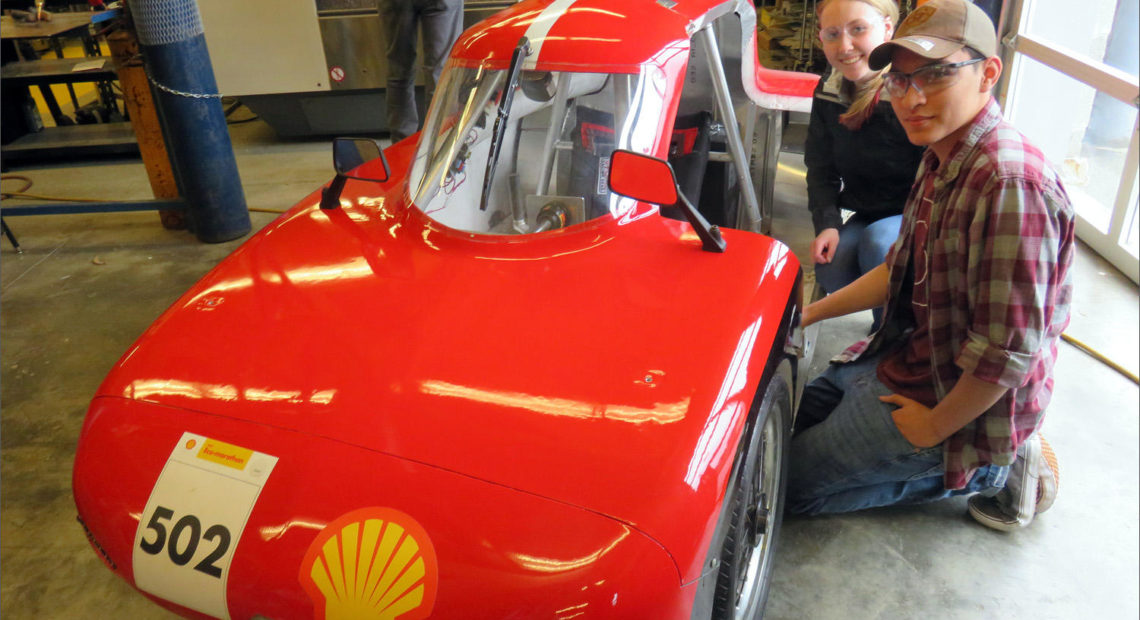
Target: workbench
[61,23]
[19,74]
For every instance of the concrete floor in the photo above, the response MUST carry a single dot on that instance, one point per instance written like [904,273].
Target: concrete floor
[87,285]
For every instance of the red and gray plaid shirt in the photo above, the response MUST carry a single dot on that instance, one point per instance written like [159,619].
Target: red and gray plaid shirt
[998,250]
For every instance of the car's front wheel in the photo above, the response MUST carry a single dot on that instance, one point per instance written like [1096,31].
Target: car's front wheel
[757,505]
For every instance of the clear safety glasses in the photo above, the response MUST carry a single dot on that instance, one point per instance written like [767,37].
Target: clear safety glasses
[927,80]
[855,30]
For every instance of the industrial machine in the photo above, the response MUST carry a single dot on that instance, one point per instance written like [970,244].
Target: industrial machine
[311,67]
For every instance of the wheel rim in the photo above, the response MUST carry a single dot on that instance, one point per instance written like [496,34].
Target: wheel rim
[762,502]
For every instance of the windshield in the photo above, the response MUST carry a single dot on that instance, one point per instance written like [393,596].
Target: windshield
[552,169]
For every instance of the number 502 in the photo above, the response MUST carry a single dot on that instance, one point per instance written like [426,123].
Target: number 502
[190,528]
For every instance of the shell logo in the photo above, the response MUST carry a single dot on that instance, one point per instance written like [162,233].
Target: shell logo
[371,563]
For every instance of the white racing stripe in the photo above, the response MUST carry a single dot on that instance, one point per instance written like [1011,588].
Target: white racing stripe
[541,26]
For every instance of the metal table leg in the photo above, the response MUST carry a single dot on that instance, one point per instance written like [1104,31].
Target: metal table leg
[11,237]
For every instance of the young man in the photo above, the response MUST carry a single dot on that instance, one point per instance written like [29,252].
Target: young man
[954,385]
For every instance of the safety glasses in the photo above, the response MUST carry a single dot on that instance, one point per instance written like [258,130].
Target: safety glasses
[927,80]
[855,30]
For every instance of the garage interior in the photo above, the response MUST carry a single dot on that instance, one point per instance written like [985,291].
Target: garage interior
[85,286]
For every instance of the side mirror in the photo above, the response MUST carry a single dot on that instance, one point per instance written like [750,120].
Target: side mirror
[348,155]
[649,179]
[643,178]
[351,153]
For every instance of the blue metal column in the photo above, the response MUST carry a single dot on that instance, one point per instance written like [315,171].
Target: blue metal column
[190,111]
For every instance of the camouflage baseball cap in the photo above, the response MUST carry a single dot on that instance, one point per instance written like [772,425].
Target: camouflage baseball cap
[940,28]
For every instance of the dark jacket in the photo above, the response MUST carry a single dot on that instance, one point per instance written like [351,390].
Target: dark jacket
[868,171]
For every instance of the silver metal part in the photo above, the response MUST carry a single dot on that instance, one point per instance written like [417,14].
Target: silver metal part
[557,118]
[728,116]
[575,207]
[765,132]
[622,96]
[518,207]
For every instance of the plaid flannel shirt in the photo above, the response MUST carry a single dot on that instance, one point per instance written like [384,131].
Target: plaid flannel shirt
[998,252]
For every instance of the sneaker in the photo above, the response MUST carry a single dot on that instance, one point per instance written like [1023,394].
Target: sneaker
[1049,477]
[990,511]
[1029,491]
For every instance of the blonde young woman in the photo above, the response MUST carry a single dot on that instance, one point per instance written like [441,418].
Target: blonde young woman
[857,155]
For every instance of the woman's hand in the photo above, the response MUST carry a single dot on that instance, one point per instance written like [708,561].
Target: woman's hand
[823,247]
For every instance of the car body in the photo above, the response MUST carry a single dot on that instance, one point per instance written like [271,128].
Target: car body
[419,394]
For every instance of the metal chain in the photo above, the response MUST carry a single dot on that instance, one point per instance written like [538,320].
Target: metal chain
[182,93]
[168,89]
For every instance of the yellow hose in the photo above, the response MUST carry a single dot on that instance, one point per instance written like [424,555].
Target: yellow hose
[22,194]
[42,197]
[1100,357]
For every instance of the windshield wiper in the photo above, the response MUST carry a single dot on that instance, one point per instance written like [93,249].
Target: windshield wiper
[521,52]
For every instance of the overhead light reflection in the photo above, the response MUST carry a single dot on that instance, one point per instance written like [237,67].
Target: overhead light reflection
[582,9]
[548,256]
[580,38]
[551,565]
[221,392]
[711,445]
[661,413]
[777,260]
[150,389]
[356,268]
[273,532]
[142,389]
[258,394]
[232,284]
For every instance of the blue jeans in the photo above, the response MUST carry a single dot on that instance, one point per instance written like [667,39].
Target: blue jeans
[862,247]
[847,453]
[441,22]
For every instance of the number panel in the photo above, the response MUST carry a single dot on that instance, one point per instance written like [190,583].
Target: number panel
[194,519]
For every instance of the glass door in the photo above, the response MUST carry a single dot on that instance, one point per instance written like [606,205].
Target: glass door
[1070,84]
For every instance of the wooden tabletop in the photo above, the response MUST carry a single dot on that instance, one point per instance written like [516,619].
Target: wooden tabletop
[60,23]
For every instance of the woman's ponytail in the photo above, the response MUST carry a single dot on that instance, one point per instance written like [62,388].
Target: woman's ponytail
[863,102]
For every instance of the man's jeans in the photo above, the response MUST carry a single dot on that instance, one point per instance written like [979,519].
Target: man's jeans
[847,454]
[442,23]
[862,247]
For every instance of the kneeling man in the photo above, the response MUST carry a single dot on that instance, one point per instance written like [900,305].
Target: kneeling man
[947,397]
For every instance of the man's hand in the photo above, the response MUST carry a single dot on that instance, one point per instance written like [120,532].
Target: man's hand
[809,315]
[824,245]
[869,291]
[915,421]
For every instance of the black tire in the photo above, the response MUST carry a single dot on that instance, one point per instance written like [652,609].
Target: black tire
[759,487]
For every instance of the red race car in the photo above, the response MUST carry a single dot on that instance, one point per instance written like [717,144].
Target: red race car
[535,362]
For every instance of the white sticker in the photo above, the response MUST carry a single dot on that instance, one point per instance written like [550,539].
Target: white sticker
[923,43]
[194,519]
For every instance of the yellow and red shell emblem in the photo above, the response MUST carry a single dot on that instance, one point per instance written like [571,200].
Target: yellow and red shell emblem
[371,563]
